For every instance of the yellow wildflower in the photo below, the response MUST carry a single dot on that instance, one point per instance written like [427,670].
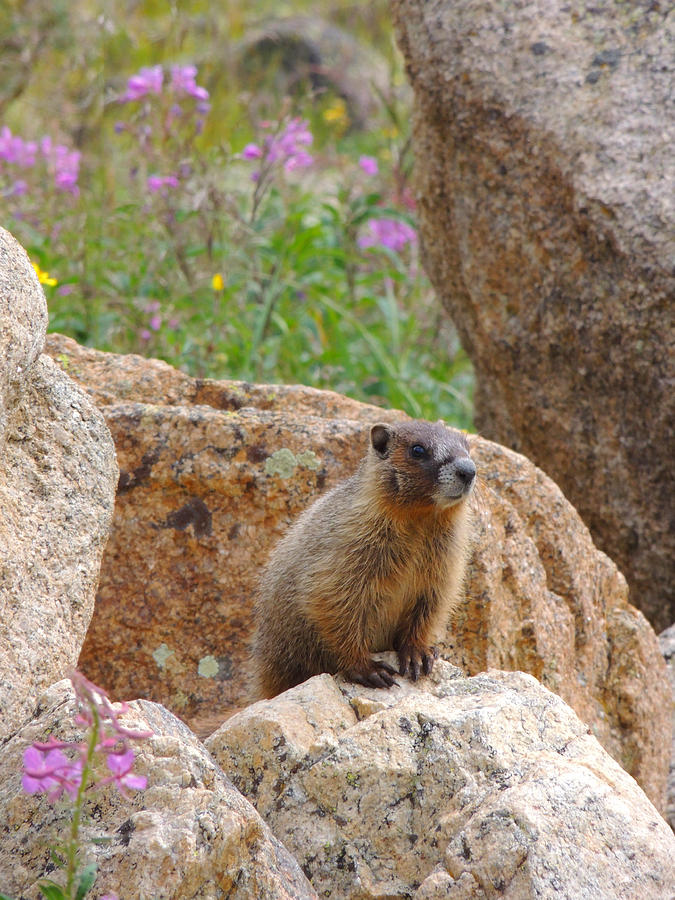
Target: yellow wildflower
[336,113]
[43,277]
[217,282]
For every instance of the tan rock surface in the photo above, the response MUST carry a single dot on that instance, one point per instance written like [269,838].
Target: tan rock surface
[483,787]
[204,493]
[545,182]
[542,599]
[189,834]
[57,487]
[667,644]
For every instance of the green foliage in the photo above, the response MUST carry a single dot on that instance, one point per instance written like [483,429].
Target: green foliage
[302,299]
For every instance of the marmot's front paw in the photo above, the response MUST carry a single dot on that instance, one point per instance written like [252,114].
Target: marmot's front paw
[374,673]
[412,657]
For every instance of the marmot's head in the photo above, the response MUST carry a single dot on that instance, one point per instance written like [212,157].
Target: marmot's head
[422,463]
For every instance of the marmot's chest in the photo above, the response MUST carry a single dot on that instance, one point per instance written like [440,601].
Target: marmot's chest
[422,572]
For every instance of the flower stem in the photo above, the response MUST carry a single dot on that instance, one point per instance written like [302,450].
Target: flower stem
[74,842]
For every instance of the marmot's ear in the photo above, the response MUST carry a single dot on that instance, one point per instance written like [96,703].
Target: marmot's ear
[380,435]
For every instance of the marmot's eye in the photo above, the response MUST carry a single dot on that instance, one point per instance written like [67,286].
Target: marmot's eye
[417,451]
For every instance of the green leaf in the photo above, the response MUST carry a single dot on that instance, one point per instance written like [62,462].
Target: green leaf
[5,897]
[57,859]
[87,879]
[51,890]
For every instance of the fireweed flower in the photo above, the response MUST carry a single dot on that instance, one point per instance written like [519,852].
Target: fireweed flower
[251,151]
[183,82]
[369,165]
[388,233]
[15,150]
[120,764]
[286,148]
[147,81]
[159,183]
[49,771]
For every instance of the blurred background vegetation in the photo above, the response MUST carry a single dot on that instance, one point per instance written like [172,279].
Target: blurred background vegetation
[236,265]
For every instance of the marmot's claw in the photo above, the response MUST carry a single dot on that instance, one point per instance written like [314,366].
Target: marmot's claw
[379,675]
[412,658]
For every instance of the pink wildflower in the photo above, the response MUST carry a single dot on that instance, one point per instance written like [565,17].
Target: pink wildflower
[286,148]
[251,151]
[183,82]
[120,764]
[388,233]
[49,771]
[369,165]
[147,81]
[14,149]
[157,183]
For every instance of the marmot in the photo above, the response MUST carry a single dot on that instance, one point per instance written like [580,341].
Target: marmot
[374,564]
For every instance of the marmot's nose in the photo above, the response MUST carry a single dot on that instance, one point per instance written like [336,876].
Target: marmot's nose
[466,470]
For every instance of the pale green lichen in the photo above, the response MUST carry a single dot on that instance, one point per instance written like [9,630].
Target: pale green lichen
[161,654]
[284,462]
[208,667]
[308,459]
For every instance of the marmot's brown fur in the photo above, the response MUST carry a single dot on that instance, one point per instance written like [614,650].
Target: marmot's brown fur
[375,563]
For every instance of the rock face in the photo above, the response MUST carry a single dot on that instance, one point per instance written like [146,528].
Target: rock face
[310,51]
[188,834]
[57,487]
[667,642]
[210,480]
[540,598]
[544,135]
[465,788]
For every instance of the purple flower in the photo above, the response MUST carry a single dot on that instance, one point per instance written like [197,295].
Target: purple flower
[251,151]
[369,165]
[64,162]
[298,160]
[387,233]
[49,771]
[147,81]
[155,322]
[120,764]
[14,149]
[157,183]
[144,334]
[286,148]
[183,82]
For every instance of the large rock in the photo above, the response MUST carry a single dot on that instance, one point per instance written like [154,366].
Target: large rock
[57,487]
[544,136]
[208,483]
[188,834]
[474,788]
[667,643]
